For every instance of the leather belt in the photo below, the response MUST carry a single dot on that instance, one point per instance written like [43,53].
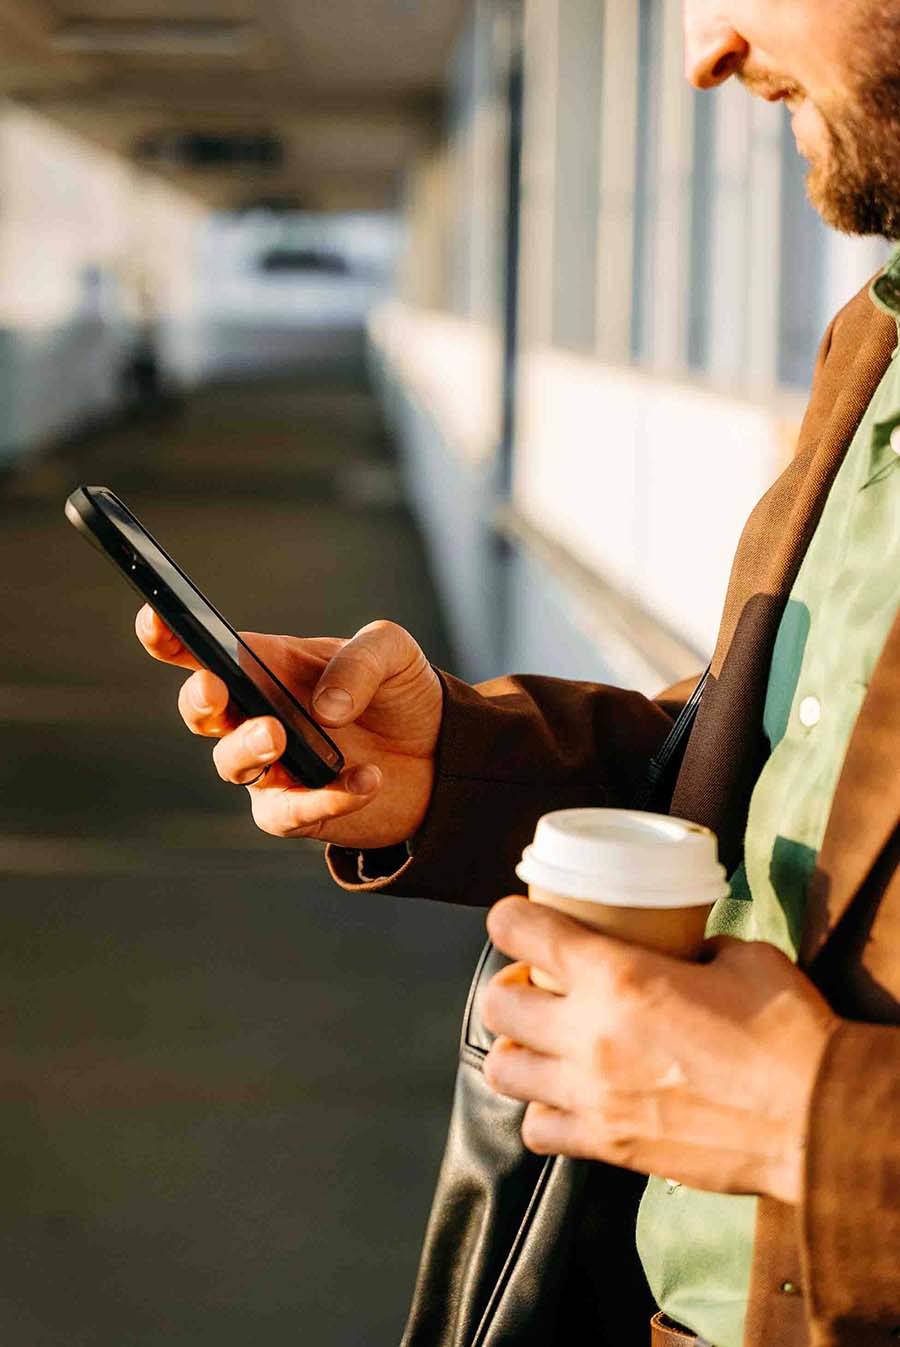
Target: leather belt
[664,1332]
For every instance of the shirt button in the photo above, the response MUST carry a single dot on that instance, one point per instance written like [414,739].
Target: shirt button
[810,712]
[895,439]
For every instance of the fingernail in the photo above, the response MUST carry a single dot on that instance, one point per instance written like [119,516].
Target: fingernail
[261,741]
[334,703]
[363,780]
[146,620]
[198,698]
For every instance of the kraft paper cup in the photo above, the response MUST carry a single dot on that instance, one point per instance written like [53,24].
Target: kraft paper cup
[646,878]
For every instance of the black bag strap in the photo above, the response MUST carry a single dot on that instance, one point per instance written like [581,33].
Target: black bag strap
[659,765]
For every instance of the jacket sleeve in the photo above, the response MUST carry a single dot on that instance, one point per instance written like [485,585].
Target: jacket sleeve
[850,1216]
[511,750]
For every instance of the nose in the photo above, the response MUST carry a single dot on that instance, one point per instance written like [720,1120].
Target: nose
[713,49]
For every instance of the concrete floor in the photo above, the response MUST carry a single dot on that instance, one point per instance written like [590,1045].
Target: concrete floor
[224,1083]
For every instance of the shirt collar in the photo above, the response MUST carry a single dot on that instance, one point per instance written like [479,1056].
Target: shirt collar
[885,289]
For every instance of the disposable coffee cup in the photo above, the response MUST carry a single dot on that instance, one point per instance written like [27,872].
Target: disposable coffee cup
[646,878]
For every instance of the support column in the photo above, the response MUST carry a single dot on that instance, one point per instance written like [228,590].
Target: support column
[728,232]
[671,269]
[764,257]
[539,170]
[618,168]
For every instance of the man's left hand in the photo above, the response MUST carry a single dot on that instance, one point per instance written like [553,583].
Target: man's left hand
[699,1072]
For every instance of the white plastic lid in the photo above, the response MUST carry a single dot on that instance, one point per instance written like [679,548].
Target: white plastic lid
[625,858]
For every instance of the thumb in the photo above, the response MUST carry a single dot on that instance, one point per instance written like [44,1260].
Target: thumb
[351,679]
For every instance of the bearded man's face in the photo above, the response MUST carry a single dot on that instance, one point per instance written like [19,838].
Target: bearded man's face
[836,64]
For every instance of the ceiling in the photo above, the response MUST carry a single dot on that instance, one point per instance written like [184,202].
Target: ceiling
[350,87]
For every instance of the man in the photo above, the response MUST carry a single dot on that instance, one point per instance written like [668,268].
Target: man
[768,1097]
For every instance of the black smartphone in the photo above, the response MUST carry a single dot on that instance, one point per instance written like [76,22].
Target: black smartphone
[311,757]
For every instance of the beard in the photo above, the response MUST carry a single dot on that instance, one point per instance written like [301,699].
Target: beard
[854,183]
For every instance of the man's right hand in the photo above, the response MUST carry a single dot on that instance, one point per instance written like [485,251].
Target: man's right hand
[376,695]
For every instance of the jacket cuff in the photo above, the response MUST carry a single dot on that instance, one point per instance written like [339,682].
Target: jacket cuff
[850,1216]
[509,751]
[444,861]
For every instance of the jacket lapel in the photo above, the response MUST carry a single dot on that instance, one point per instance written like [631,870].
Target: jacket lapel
[866,808]
[727,750]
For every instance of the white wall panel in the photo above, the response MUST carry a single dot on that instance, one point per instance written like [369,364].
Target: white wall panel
[578,451]
[453,367]
[647,480]
[705,462]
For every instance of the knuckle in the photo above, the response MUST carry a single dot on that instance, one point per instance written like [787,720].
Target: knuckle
[626,983]
[235,774]
[220,764]
[186,709]
[618,1147]
[492,1068]
[593,1095]
[569,1089]
[496,921]
[533,1131]
[295,823]
[264,820]
[557,952]
[382,626]
[611,1122]
[489,1004]
[195,726]
[313,830]
[393,643]
[601,1061]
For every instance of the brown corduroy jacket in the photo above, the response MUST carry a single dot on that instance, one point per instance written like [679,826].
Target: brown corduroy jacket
[826,1273]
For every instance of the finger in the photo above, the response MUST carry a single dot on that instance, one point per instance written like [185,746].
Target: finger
[241,755]
[307,813]
[204,707]
[538,936]
[160,642]
[518,1073]
[552,1131]
[525,1013]
[356,672]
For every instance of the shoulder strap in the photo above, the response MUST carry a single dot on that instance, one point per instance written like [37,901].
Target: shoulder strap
[663,759]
